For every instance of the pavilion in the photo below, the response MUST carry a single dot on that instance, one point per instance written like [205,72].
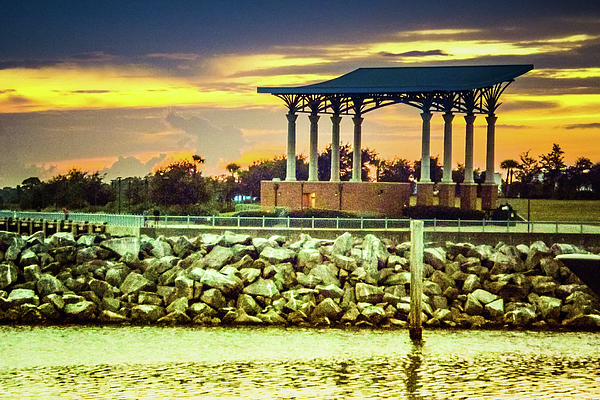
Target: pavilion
[468,90]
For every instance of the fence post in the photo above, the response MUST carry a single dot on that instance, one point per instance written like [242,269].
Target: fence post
[188,221]
[288,221]
[361,223]
[238,221]
[337,223]
[416,280]
[213,221]
[459,224]
[263,222]
[386,225]
[313,222]
[483,225]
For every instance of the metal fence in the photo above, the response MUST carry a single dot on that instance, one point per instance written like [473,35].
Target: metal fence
[347,224]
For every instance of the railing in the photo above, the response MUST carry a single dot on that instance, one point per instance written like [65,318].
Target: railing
[349,224]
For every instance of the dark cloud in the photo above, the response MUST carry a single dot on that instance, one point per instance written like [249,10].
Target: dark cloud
[211,142]
[17,99]
[7,91]
[30,64]
[527,105]
[415,53]
[595,125]
[90,91]
[131,166]
[503,126]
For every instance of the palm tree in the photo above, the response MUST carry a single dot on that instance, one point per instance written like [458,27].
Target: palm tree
[509,165]
[233,168]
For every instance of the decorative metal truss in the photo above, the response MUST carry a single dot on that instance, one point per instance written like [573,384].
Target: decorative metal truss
[476,101]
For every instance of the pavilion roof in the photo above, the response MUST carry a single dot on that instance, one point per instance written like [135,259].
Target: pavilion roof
[387,80]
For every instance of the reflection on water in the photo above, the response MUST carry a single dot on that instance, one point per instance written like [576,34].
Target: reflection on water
[180,363]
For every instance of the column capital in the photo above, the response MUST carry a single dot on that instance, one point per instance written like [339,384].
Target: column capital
[291,117]
[357,120]
[314,118]
[336,119]
[448,117]
[491,119]
[426,115]
[470,118]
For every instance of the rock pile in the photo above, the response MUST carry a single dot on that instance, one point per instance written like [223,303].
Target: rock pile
[234,279]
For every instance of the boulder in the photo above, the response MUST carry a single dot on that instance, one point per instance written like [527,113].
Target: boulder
[472,305]
[115,276]
[484,296]
[48,284]
[278,255]
[366,293]
[23,296]
[271,317]
[495,309]
[342,245]
[262,287]
[181,305]
[326,309]
[228,284]
[32,273]
[214,298]
[373,313]
[247,304]
[8,274]
[330,291]
[326,274]
[309,257]
[218,257]
[249,275]
[549,307]
[80,311]
[121,246]
[28,257]
[146,313]
[229,239]
[134,282]
[520,316]
[436,257]
[110,317]
[471,283]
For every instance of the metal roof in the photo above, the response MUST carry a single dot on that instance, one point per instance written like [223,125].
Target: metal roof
[410,80]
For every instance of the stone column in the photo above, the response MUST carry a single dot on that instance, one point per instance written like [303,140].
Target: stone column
[468,190]
[313,165]
[291,148]
[425,186]
[357,156]
[335,148]
[446,188]
[489,190]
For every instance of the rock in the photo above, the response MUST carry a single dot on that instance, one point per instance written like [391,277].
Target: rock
[247,304]
[471,283]
[110,304]
[374,255]
[351,314]
[48,284]
[32,273]
[330,291]
[23,296]
[262,287]
[150,298]
[495,309]
[121,246]
[436,257]
[181,305]
[214,298]
[62,239]
[472,305]
[230,239]
[56,300]
[99,287]
[228,284]
[442,280]
[175,318]
[8,274]
[326,274]
[583,321]
[85,254]
[549,307]
[342,245]
[543,284]
[551,267]
[326,309]
[309,257]
[115,276]
[562,248]
[537,251]
[278,255]
[28,257]
[134,282]
[249,275]
[218,257]
[272,317]
[483,252]
[182,247]
[366,293]
[111,317]
[245,319]
[145,313]
[520,316]
[373,313]
[431,288]
[484,296]
[80,311]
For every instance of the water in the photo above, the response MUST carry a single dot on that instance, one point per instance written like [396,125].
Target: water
[187,363]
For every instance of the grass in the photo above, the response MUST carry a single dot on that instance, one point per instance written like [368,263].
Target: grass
[556,210]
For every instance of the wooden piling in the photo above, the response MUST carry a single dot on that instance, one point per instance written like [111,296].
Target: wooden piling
[416,279]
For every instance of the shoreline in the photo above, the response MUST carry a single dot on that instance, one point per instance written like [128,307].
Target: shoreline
[233,279]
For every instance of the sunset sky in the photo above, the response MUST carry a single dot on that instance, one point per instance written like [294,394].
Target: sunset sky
[123,87]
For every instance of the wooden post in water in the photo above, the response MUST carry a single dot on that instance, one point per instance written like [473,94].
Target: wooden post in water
[416,279]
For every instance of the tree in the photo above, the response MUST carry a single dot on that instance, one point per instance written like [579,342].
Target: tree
[526,173]
[509,165]
[552,165]
[435,169]
[179,183]
[398,170]
[233,169]
[267,170]
[346,157]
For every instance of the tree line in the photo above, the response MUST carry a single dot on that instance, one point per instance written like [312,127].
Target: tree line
[180,187]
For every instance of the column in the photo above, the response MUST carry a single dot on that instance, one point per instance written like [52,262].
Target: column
[425,186]
[357,156]
[291,147]
[335,148]
[425,153]
[313,164]
[489,160]
[446,188]
[470,119]
[468,190]
[489,190]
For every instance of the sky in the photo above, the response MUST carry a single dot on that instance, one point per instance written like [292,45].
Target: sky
[125,87]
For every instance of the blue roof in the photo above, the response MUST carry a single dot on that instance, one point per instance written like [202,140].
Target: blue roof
[410,80]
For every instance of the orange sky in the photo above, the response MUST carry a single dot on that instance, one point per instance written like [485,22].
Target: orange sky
[65,104]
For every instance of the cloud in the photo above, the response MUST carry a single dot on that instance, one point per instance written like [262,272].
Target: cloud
[415,53]
[131,166]
[90,91]
[13,173]
[508,126]
[7,91]
[211,142]
[595,125]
